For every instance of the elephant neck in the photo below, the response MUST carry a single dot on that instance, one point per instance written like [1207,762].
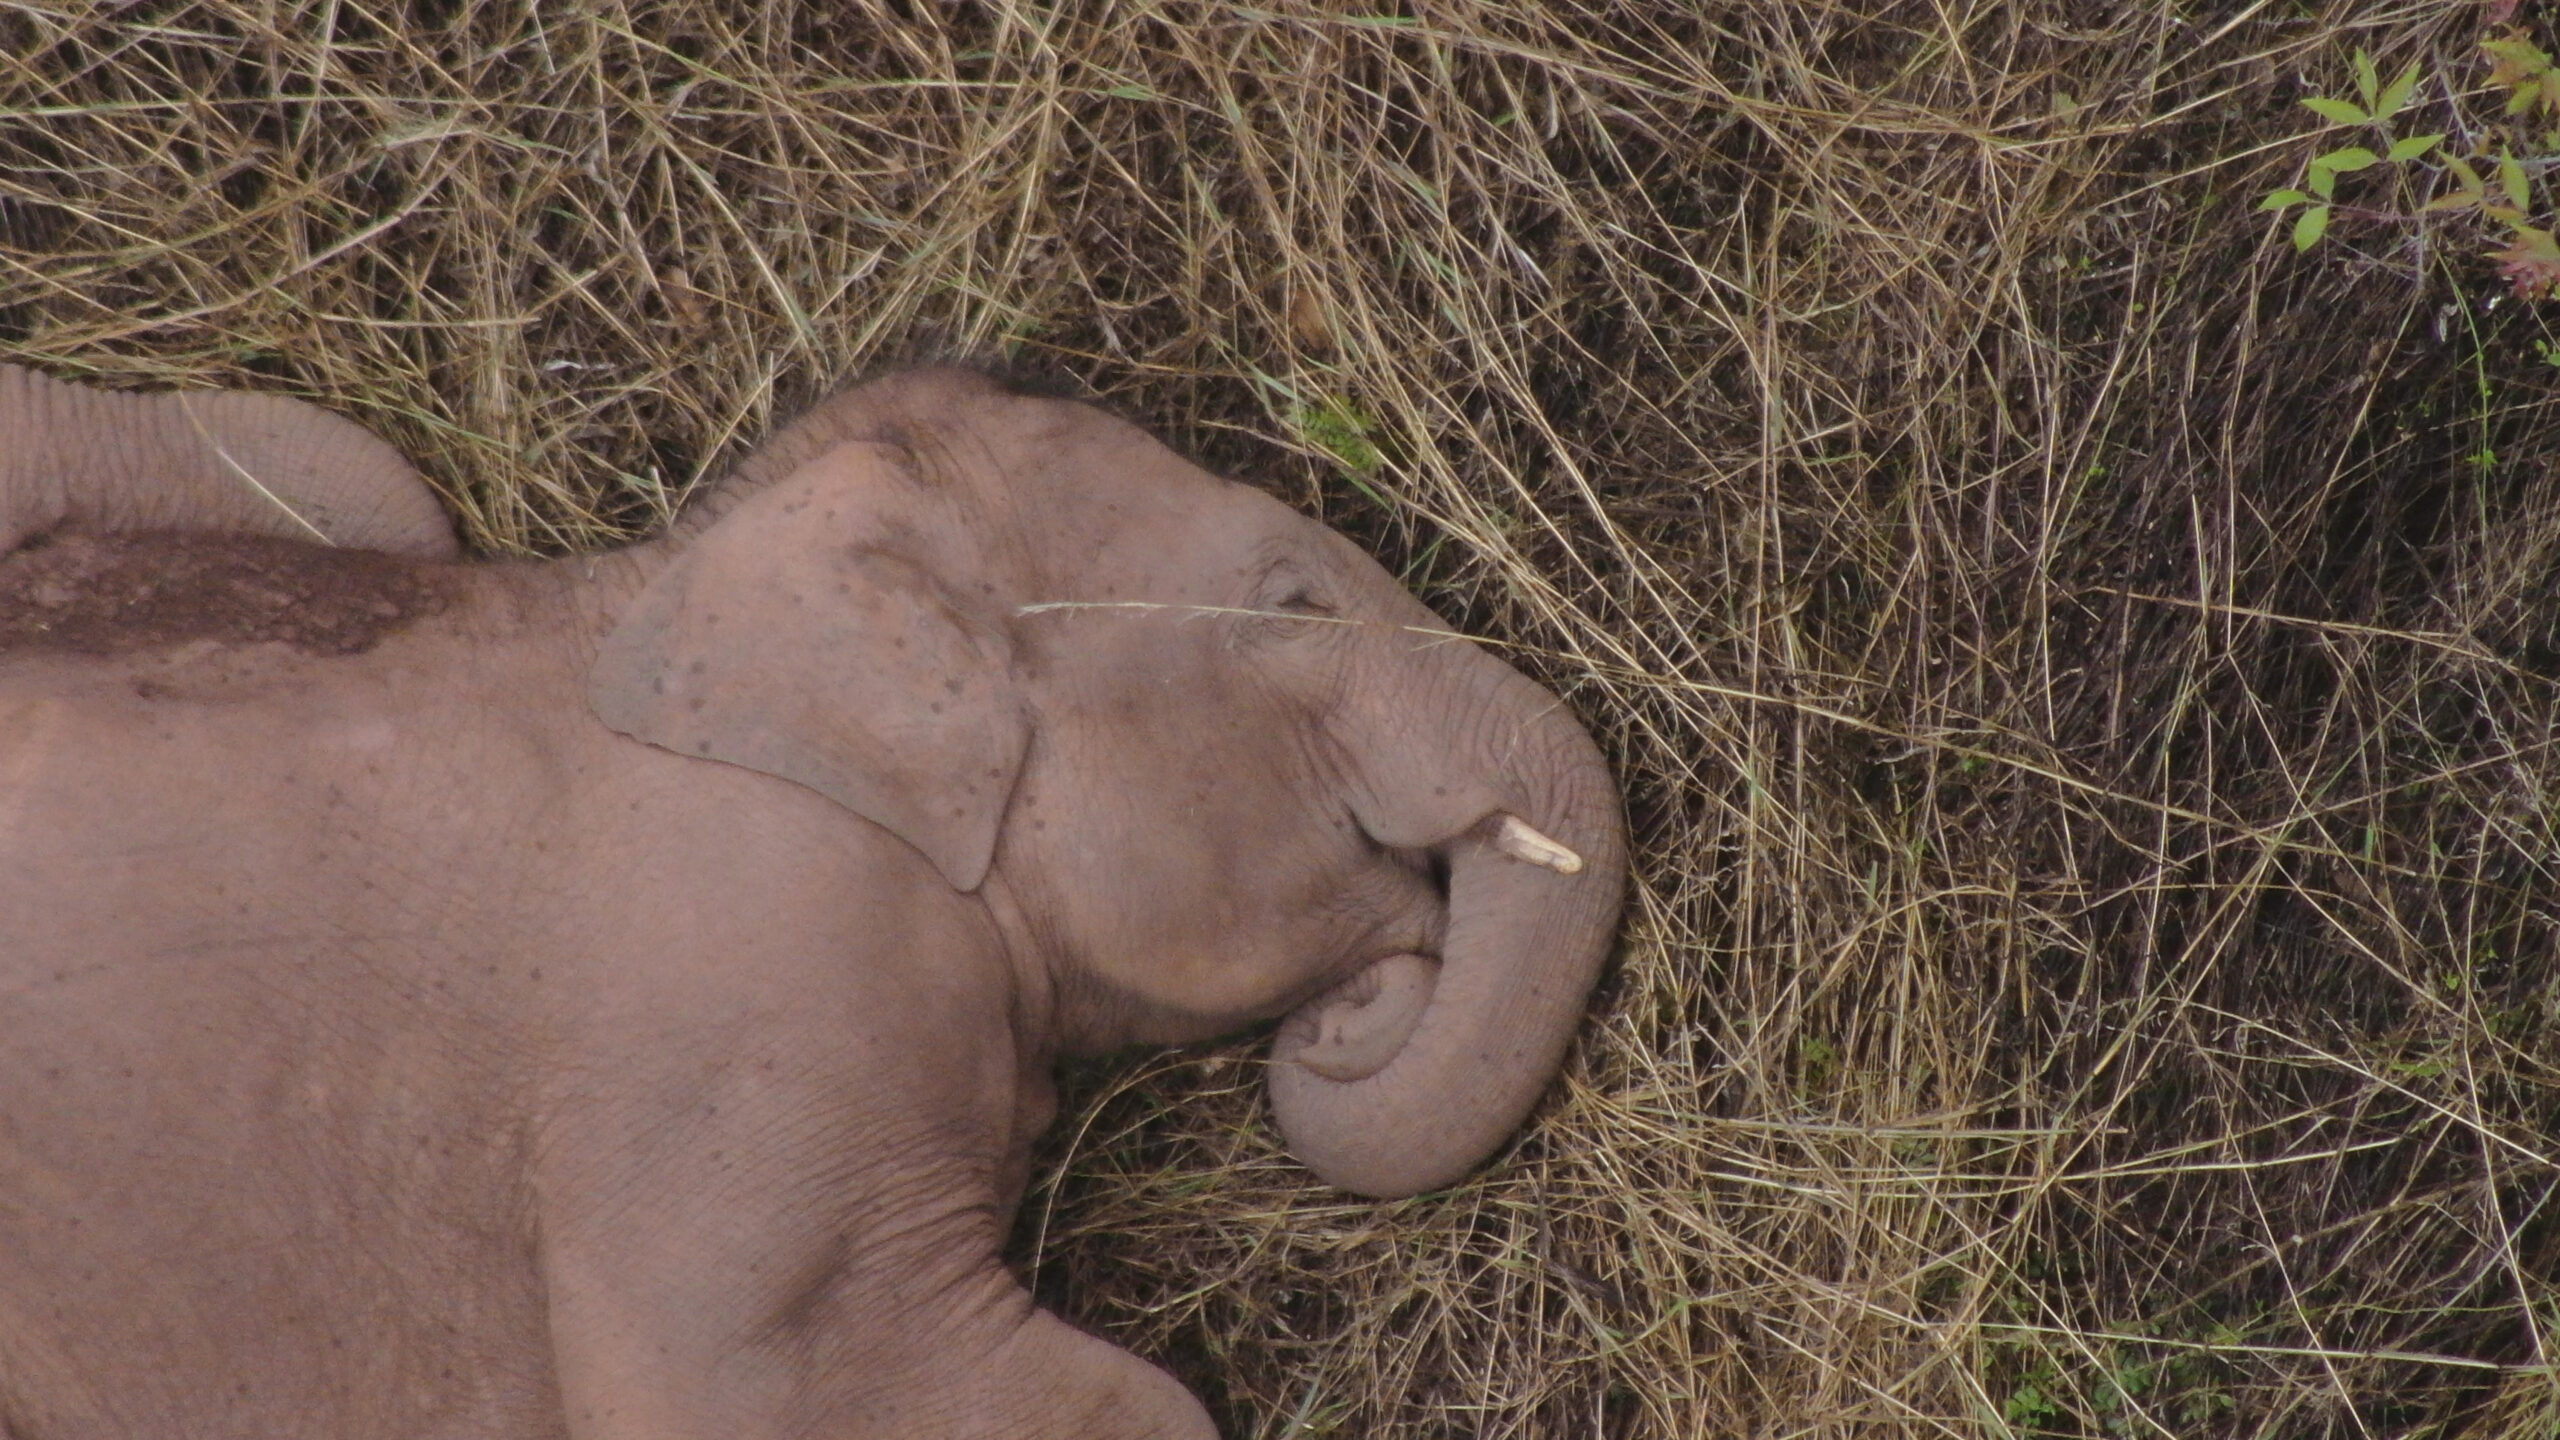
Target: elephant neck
[577,600]
[1040,1024]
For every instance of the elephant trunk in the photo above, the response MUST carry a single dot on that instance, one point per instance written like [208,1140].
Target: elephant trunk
[1532,909]
[32,498]
[204,460]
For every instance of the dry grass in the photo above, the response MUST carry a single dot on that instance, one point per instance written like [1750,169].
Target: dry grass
[2085,677]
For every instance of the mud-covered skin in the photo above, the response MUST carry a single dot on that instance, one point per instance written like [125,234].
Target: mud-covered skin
[109,594]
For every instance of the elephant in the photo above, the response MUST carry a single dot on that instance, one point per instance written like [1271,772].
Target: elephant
[615,995]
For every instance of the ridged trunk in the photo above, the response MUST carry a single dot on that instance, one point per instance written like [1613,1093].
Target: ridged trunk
[1523,947]
[204,460]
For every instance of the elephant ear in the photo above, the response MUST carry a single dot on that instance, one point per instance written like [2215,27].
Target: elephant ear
[818,632]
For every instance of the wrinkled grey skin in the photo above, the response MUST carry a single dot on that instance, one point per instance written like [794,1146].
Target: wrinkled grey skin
[204,460]
[620,1003]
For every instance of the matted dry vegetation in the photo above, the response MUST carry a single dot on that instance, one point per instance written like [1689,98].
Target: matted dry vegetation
[2084,676]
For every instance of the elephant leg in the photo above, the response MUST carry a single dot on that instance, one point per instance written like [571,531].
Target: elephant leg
[773,1191]
[917,1333]
[1052,1379]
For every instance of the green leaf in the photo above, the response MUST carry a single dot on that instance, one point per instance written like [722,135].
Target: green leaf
[2278,199]
[2322,180]
[2511,179]
[2395,96]
[1130,92]
[2523,56]
[2412,147]
[2366,82]
[2337,110]
[2462,168]
[2346,160]
[2313,224]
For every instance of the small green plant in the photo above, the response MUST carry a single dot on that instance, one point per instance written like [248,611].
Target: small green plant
[2531,264]
[2031,1405]
[1341,430]
[2320,177]
[2493,180]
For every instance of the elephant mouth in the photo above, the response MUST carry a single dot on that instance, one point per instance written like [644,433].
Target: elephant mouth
[1355,1029]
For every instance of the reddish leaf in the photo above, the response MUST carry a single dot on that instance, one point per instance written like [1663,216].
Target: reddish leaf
[2516,58]
[2531,267]
[2525,69]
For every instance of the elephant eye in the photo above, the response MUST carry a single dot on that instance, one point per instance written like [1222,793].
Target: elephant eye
[1290,589]
[1300,600]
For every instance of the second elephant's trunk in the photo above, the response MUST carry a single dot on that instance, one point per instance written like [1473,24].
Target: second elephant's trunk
[204,460]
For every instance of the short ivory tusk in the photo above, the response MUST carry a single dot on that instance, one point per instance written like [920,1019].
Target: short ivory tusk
[1520,840]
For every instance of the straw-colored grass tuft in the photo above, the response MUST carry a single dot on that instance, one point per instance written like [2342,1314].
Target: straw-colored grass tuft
[2086,678]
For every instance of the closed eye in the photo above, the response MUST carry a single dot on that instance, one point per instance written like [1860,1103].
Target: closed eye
[1301,601]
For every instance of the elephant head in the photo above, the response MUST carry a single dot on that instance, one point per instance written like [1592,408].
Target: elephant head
[1207,763]
[204,460]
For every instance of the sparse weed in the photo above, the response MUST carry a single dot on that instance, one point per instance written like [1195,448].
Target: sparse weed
[2492,176]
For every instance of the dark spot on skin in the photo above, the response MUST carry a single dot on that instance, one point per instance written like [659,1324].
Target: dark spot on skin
[695,704]
[933,706]
[696,667]
[657,684]
[954,685]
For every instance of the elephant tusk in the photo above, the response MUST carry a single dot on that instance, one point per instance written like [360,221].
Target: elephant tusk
[1520,840]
